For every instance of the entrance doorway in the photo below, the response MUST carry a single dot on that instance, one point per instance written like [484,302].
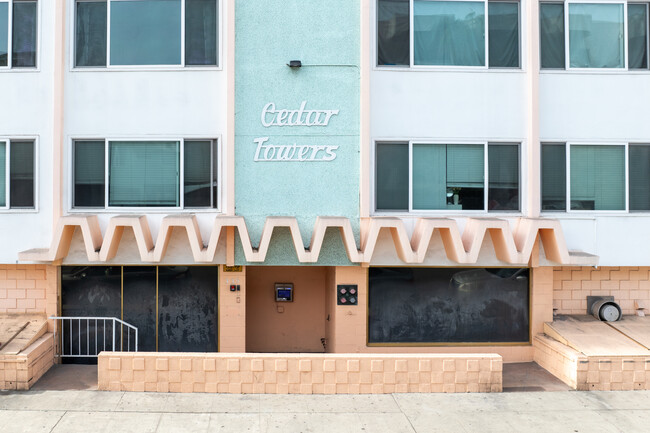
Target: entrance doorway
[282,326]
[174,308]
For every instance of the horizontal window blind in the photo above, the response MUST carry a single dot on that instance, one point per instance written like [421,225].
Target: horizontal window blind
[144,174]
[597,177]
[465,166]
[429,176]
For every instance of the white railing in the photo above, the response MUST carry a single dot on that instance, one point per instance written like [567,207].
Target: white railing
[85,337]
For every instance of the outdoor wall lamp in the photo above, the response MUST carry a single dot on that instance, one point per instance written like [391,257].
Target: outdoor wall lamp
[294,64]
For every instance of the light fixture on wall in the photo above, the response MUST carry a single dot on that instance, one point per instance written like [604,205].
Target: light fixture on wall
[294,64]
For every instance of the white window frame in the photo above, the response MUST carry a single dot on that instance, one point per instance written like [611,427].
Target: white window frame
[567,50]
[486,178]
[10,19]
[72,16]
[216,151]
[413,66]
[7,207]
[568,211]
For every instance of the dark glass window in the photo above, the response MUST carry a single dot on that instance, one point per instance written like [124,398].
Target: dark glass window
[90,34]
[551,28]
[200,32]
[553,177]
[21,174]
[89,171]
[392,176]
[393,32]
[23,52]
[503,28]
[639,177]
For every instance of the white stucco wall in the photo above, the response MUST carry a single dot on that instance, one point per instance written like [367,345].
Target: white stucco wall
[26,111]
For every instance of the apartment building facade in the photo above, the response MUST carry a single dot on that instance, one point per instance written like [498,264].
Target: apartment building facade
[355,180]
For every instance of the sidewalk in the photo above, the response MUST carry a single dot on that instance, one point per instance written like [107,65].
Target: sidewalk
[94,411]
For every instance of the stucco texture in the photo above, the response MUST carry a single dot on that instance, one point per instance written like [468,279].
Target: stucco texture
[329,79]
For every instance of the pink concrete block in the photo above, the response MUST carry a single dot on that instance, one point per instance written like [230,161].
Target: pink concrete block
[304,365]
[329,365]
[114,363]
[353,365]
[377,365]
[281,365]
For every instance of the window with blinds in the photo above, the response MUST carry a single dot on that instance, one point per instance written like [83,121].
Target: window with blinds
[598,180]
[17,159]
[436,176]
[137,174]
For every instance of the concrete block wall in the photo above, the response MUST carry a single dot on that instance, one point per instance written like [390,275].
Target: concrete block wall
[29,289]
[21,371]
[572,285]
[592,373]
[299,373]
[232,311]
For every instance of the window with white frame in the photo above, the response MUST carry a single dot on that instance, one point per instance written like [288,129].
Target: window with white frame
[146,32]
[448,33]
[417,176]
[595,177]
[18,33]
[17,174]
[180,173]
[594,34]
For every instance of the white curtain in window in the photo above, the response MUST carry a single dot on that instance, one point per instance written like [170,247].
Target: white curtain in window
[90,34]
[200,32]
[393,32]
[596,35]
[146,32]
[449,33]
[637,35]
[144,173]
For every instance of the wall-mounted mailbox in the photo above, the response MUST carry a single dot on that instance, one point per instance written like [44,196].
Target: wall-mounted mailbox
[347,294]
[283,292]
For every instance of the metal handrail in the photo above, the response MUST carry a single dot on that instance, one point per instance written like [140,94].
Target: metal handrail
[68,348]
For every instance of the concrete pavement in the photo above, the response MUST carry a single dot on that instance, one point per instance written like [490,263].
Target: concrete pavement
[95,411]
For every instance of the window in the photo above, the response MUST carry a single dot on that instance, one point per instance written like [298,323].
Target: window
[433,176]
[448,33]
[118,174]
[582,177]
[596,36]
[146,32]
[17,174]
[18,30]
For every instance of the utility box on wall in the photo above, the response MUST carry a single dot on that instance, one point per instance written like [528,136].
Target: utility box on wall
[347,294]
[283,292]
